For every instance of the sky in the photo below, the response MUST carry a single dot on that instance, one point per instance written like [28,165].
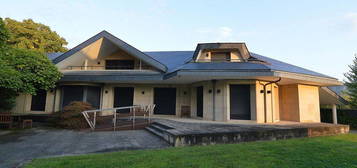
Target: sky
[319,35]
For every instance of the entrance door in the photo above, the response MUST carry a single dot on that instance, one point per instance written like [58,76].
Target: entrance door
[123,96]
[165,101]
[240,102]
[199,101]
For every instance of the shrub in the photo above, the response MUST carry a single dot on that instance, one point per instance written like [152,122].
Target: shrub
[71,116]
[344,116]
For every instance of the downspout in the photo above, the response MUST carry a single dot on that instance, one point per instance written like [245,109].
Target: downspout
[54,100]
[214,99]
[265,98]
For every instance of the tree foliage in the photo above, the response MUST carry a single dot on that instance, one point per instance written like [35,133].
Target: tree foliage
[34,36]
[351,83]
[26,71]
[4,34]
[23,71]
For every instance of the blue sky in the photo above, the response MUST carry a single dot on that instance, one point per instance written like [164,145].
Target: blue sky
[320,35]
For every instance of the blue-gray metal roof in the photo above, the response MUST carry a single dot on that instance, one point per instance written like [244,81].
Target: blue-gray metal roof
[172,59]
[340,90]
[54,55]
[282,66]
[179,60]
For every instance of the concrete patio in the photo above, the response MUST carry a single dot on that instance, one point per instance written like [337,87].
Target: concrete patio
[185,132]
[18,147]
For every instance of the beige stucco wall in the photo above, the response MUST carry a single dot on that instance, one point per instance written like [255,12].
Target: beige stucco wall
[183,95]
[272,104]
[309,103]
[222,99]
[90,56]
[289,103]
[23,103]
[89,53]
[299,103]
[206,55]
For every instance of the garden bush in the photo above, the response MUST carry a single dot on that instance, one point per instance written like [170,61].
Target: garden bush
[71,116]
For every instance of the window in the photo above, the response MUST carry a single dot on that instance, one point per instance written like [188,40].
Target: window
[119,64]
[89,94]
[220,56]
[38,101]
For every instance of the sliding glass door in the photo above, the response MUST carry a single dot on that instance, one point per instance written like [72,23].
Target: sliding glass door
[89,94]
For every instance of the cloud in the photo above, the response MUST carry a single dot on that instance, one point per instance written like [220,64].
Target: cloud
[225,32]
[351,19]
[222,33]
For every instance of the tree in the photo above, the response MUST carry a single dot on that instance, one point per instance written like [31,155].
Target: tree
[23,71]
[351,83]
[34,36]
[4,34]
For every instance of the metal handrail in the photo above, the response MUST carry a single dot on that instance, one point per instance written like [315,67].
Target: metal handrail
[147,108]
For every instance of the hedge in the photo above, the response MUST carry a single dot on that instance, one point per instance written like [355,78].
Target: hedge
[344,116]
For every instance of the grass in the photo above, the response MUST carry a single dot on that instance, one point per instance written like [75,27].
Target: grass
[331,151]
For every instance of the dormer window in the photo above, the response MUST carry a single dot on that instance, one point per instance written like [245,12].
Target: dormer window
[221,52]
[220,56]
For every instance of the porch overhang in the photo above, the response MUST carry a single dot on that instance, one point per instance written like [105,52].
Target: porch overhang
[114,76]
[329,97]
[191,76]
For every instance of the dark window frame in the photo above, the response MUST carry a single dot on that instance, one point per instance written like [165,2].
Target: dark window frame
[119,64]
[226,53]
[84,94]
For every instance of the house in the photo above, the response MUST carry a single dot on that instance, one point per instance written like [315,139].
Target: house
[216,81]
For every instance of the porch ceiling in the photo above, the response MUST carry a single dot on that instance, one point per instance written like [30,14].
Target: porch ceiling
[328,97]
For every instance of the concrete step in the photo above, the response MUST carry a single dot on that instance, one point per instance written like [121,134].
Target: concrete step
[160,130]
[154,131]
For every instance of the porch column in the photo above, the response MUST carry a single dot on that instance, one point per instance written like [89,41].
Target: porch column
[85,64]
[334,113]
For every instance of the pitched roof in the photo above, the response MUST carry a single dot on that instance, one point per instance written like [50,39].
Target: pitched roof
[119,43]
[282,66]
[54,55]
[171,61]
[177,60]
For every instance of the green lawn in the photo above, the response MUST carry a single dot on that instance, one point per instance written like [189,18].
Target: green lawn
[332,151]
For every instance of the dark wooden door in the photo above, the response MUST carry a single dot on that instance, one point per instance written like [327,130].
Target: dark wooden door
[199,101]
[123,96]
[240,102]
[165,101]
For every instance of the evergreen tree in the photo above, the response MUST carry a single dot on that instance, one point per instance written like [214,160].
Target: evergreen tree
[351,83]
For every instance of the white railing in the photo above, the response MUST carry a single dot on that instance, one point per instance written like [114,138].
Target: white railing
[146,109]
